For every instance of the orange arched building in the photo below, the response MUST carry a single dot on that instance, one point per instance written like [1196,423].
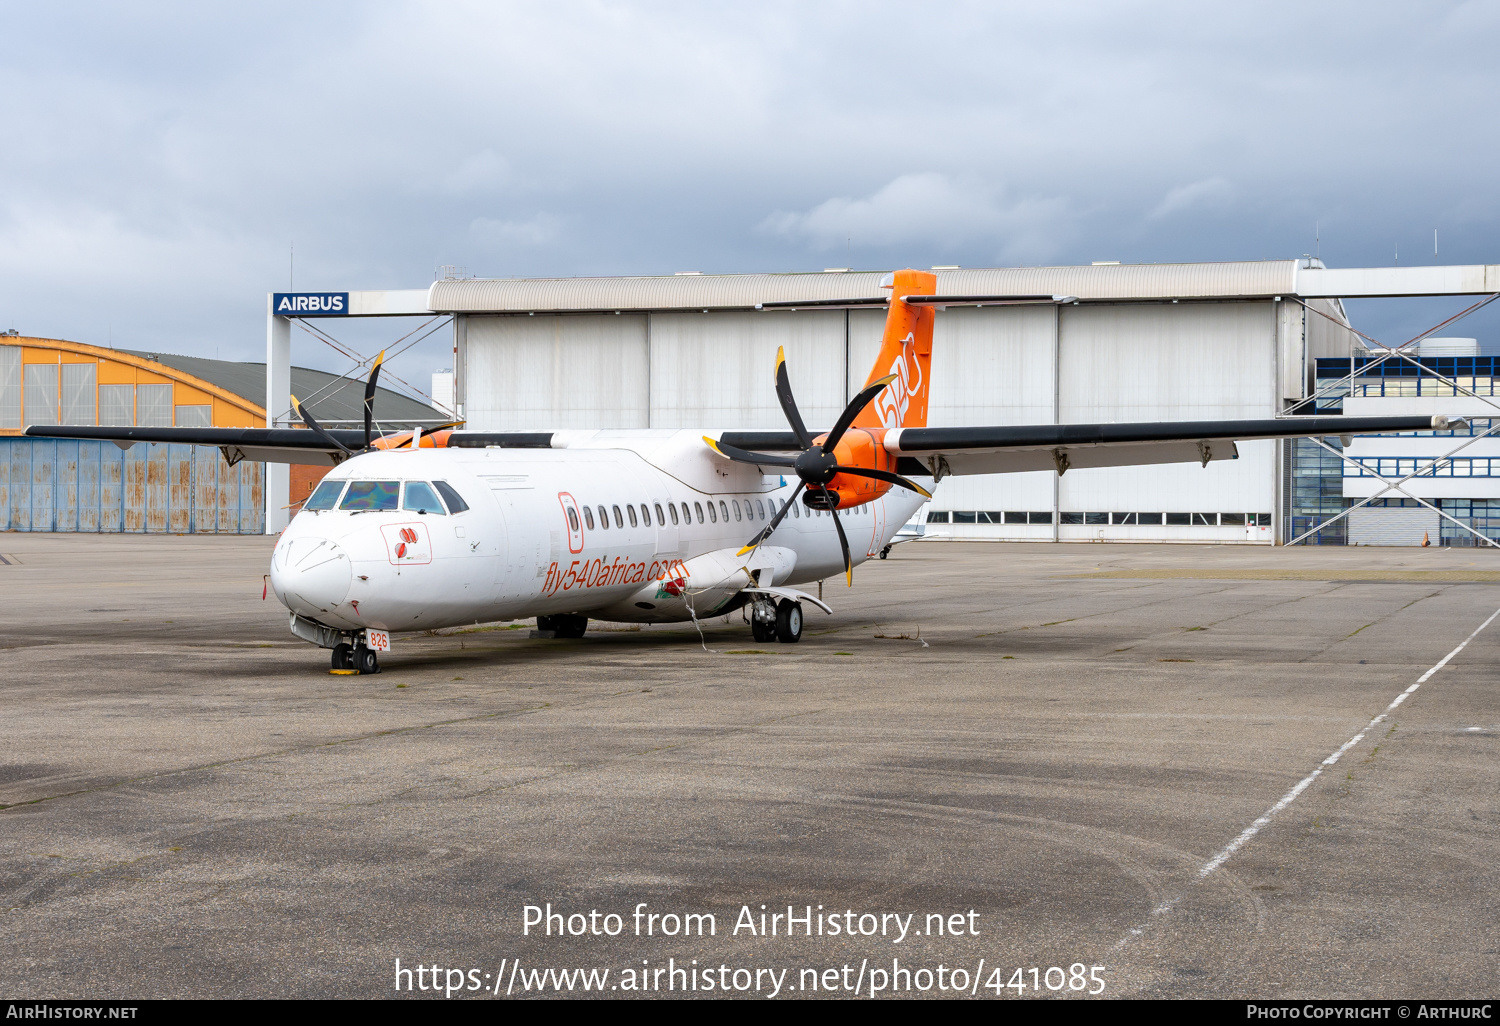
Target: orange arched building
[69,485]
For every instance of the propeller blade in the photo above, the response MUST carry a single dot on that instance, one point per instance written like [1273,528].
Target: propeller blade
[843,541]
[788,404]
[884,475]
[732,452]
[370,396]
[317,429]
[775,521]
[855,407]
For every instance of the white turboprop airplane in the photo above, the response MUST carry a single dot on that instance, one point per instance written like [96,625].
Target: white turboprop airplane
[418,531]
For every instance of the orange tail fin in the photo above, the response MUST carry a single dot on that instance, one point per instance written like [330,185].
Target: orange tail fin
[905,351]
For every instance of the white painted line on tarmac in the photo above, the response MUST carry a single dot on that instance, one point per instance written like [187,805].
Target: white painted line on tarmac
[1250,831]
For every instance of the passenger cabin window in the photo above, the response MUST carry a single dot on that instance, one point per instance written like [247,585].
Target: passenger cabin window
[661,518]
[673,507]
[420,498]
[572,518]
[631,511]
[604,518]
[645,514]
[325,496]
[588,517]
[724,511]
[760,507]
[687,517]
[619,520]
[711,518]
[371,495]
[455,502]
[736,504]
[699,507]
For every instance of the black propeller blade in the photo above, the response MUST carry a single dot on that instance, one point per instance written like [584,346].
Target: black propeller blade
[838,523]
[370,396]
[317,429]
[885,475]
[329,440]
[815,465]
[765,532]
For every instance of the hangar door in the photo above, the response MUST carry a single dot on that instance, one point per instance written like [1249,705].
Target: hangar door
[556,371]
[716,370]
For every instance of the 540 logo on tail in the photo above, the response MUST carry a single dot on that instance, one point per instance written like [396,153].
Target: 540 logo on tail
[893,403]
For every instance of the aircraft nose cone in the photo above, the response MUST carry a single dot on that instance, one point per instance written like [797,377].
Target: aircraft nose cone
[311,575]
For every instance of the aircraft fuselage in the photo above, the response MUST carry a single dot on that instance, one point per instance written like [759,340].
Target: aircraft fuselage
[533,540]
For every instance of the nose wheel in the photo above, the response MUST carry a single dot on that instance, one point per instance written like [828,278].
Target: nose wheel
[356,658]
[365,661]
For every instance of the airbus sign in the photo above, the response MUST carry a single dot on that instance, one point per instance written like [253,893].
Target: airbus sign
[310,304]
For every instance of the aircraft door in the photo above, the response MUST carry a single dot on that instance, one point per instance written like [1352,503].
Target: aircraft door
[573,522]
[518,575]
[877,530]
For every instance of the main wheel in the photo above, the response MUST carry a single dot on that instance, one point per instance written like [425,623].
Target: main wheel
[570,625]
[885,552]
[789,621]
[343,656]
[761,631]
[365,660]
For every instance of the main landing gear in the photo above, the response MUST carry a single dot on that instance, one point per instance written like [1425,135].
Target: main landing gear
[776,621]
[355,657]
[563,625]
[885,552]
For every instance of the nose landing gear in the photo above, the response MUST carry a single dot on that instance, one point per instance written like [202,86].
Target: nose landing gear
[355,658]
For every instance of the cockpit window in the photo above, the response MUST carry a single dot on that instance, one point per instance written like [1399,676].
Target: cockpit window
[325,496]
[455,502]
[420,498]
[371,495]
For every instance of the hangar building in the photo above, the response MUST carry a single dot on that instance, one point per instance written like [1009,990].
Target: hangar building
[1129,343]
[65,485]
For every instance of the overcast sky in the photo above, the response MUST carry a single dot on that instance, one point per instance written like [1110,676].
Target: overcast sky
[161,159]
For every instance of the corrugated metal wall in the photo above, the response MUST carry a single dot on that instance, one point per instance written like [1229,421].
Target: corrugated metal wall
[992,365]
[552,372]
[64,485]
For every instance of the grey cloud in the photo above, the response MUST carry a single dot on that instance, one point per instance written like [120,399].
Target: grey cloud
[164,156]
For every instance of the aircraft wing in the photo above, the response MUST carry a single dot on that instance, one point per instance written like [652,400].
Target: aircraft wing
[272,445]
[999,450]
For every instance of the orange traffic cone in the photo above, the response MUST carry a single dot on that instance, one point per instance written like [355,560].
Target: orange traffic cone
[1425,542]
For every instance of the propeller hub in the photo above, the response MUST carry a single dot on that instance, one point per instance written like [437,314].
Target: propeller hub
[816,467]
